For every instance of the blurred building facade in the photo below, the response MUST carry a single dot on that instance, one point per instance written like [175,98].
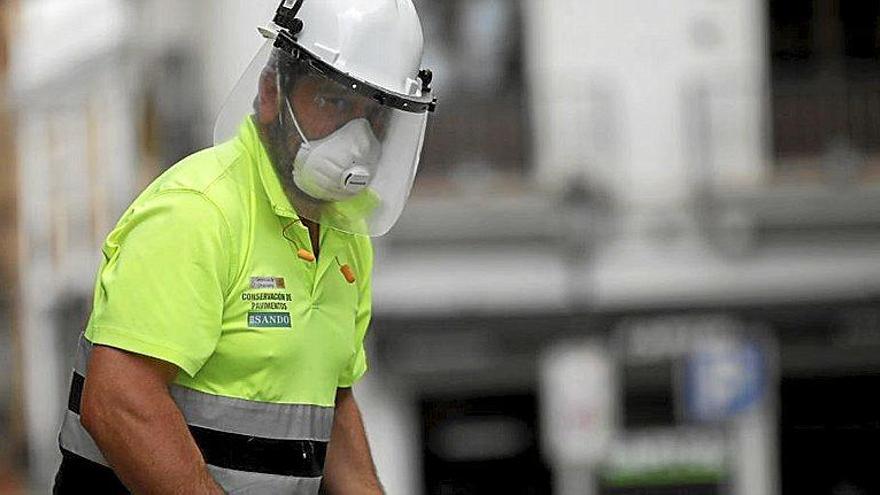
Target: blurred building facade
[691,170]
[688,189]
[86,125]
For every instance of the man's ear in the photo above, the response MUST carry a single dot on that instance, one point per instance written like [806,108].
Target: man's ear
[267,104]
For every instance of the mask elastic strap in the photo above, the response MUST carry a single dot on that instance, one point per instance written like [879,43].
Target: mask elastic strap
[295,123]
[289,108]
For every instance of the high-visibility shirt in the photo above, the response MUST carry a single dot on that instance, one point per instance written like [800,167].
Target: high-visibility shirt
[203,271]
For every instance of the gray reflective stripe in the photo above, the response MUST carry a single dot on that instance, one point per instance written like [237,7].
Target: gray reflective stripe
[244,483]
[76,439]
[260,419]
[83,351]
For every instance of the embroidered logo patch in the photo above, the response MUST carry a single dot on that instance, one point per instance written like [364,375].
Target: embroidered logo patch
[269,320]
[267,283]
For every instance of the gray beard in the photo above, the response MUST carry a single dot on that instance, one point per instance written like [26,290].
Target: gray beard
[275,138]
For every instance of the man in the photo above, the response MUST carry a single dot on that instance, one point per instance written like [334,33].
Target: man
[232,302]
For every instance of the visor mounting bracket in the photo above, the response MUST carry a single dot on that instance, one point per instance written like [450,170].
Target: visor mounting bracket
[286,18]
[285,41]
[426,76]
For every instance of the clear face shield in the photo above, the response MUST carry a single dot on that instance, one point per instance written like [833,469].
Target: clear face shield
[345,157]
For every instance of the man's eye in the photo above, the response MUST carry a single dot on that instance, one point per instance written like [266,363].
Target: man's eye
[337,104]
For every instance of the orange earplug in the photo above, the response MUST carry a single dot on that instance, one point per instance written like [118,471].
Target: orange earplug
[348,273]
[305,255]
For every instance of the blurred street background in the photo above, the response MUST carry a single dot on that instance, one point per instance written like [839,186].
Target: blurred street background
[642,255]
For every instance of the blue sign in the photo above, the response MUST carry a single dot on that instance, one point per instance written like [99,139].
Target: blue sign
[721,384]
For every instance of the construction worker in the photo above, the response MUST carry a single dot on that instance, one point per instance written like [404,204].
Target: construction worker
[234,294]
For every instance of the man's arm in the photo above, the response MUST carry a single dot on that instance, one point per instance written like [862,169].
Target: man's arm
[349,466]
[128,411]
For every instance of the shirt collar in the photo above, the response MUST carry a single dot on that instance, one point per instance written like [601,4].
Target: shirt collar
[250,139]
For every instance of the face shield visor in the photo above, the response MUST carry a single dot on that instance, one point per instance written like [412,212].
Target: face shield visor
[346,153]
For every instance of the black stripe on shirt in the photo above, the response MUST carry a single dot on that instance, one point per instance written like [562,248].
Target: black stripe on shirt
[300,458]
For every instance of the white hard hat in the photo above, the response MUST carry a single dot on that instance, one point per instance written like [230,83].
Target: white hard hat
[377,42]
[371,51]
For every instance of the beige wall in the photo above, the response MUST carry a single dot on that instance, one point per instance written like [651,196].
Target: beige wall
[11,427]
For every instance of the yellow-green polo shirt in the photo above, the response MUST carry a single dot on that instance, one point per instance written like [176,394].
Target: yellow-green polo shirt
[202,271]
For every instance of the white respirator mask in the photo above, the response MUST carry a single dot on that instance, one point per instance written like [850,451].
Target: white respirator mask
[338,166]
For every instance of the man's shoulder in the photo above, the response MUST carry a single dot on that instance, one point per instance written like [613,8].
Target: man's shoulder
[219,173]
[208,171]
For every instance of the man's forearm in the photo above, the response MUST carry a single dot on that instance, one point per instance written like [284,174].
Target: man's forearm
[152,452]
[349,467]
[142,433]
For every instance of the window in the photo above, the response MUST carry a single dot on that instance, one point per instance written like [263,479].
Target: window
[825,66]
[479,128]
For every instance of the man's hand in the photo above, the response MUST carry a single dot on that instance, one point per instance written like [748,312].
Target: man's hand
[128,411]
[349,468]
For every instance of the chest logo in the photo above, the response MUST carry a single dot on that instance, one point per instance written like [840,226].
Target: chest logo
[267,283]
[268,320]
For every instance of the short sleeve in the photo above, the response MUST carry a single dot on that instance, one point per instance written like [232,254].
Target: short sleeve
[160,291]
[357,367]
